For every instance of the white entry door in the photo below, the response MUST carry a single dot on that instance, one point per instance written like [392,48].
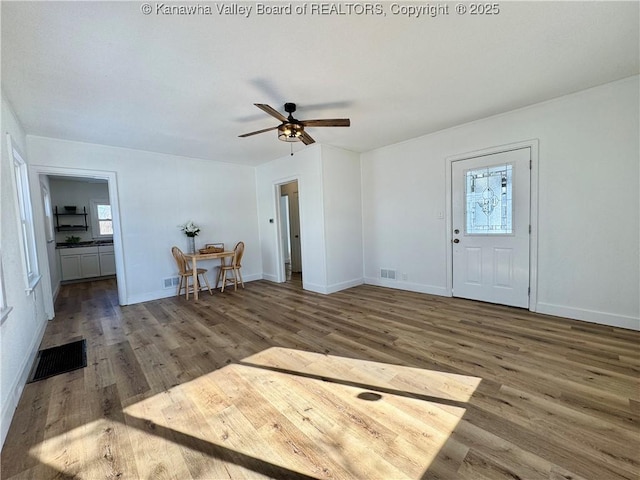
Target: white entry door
[491,225]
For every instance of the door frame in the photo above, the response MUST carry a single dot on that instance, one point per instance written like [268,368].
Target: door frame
[281,276]
[533,145]
[110,176]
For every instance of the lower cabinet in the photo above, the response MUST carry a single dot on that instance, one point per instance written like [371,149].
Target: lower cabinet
[86,262]
[90,265]
[70,267]
[107,260]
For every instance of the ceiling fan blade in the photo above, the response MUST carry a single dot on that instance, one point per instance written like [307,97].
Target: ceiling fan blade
[258,131]
[306,138]
[329,122]
[271,111]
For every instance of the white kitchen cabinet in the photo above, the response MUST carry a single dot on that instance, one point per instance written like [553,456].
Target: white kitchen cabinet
[70,267]
[107,260]
[80,262]
[90,264]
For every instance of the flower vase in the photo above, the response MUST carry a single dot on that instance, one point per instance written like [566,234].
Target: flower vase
[191,244]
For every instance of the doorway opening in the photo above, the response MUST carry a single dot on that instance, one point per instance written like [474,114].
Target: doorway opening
[79,210]
[290,231]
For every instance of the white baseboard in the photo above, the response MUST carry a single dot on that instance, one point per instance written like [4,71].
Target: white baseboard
[11,403]
[412,287]
[592,316]
[170,292]
[336,287]
[270,278]
[314,287]
[56,290]
[602,318]
[333,288]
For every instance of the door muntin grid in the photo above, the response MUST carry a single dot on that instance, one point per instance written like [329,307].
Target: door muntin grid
[488,200]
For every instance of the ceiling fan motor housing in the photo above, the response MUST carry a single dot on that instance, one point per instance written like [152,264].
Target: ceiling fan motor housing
[292,129]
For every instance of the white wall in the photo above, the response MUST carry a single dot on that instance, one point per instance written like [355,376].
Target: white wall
[588,242]
[330,216]
[22,330]
[342,197]
[158,192]
[306,167]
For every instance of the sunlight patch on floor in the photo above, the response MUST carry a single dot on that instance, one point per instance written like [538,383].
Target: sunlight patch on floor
[278,412]
[443,385]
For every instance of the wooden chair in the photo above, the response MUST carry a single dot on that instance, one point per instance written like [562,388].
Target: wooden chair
[219,247]
[234,268]
[185,271]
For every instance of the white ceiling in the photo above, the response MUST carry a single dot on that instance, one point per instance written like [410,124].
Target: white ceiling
[103,72]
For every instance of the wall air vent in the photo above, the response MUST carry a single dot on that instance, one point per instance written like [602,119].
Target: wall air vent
[388,274]
[170,282]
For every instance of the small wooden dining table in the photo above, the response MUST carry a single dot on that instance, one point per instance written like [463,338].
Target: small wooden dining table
[195,257]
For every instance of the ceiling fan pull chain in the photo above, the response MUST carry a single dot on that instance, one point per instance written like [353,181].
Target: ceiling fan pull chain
[291,149]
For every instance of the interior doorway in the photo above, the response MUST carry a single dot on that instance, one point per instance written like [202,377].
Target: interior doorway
[109,256]
[290,230]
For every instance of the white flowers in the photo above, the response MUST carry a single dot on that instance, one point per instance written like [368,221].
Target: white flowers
[190,229]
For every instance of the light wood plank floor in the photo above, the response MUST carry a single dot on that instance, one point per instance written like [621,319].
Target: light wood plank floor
[369,383]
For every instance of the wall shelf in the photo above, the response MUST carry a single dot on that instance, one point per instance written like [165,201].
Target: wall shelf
[77,220]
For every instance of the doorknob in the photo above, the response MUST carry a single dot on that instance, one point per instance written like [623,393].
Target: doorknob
[456,240]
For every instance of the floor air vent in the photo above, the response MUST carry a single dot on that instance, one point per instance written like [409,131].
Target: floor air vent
[56,360]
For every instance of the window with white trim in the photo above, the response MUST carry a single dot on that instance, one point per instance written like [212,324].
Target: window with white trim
[101,219]
[25,218]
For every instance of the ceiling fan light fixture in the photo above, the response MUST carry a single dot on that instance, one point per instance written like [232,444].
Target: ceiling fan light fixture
[290,132]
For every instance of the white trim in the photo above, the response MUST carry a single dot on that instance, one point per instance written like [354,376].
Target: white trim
[4,308]
[171,292]
[281,276]
[323,216]
[270,278]
[592,316]
[314,287]
[409,286]
[48,213]
[533,211]
[112,180]
[4,314]
[95,221]
[24,214]
[336,287]
[18,385]
[33,283]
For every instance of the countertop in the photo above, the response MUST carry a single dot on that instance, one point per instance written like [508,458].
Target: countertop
[91,243]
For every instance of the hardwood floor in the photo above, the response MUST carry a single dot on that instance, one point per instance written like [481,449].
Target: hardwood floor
[369,383]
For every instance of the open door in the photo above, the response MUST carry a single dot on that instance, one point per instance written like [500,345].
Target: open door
[290,229]
[294,228]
